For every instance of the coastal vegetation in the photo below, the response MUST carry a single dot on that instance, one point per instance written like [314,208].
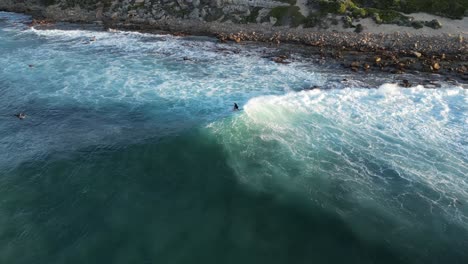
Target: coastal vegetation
[287,15]
[312,13]
[387,10]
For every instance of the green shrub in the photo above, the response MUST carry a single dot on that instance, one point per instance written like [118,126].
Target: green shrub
[312,20]
[287,15]
[359,12]
[417,24]
[359,28]
[390,16]
[333,6]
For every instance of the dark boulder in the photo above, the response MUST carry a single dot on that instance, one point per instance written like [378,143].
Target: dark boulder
[359,28]
[406,83]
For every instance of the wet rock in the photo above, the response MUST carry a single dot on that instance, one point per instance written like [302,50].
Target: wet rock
[40,22]
[430,84]
[451,81]
[338,55]
[179,34]
[395,71]
[405,83]
[355,64]
[238,37]
[280,60]
[222,38]
[313,87]
[462,69]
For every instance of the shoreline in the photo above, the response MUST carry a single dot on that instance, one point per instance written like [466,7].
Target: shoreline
[394,53]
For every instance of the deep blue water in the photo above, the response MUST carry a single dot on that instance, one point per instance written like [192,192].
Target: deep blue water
[131,154]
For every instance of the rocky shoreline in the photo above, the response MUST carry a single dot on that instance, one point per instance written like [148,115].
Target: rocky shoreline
[445,55]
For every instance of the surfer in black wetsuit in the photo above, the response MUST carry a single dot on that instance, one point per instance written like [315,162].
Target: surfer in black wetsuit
[236,107]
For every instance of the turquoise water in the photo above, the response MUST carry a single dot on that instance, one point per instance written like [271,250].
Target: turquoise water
[131,154]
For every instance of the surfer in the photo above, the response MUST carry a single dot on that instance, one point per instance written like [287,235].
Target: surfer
[21,115]
[236,107]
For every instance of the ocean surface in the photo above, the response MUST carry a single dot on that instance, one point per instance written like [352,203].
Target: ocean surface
[131,153]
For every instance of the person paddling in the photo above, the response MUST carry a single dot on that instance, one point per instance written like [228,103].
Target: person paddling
[236,107]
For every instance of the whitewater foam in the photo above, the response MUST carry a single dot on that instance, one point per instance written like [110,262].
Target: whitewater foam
[378,144]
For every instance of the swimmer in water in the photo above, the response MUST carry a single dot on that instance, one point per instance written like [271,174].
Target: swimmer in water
[236,107]
[21,116]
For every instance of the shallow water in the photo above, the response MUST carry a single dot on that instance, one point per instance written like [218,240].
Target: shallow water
[131,154]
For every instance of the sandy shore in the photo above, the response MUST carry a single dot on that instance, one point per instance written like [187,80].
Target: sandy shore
[452,27]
